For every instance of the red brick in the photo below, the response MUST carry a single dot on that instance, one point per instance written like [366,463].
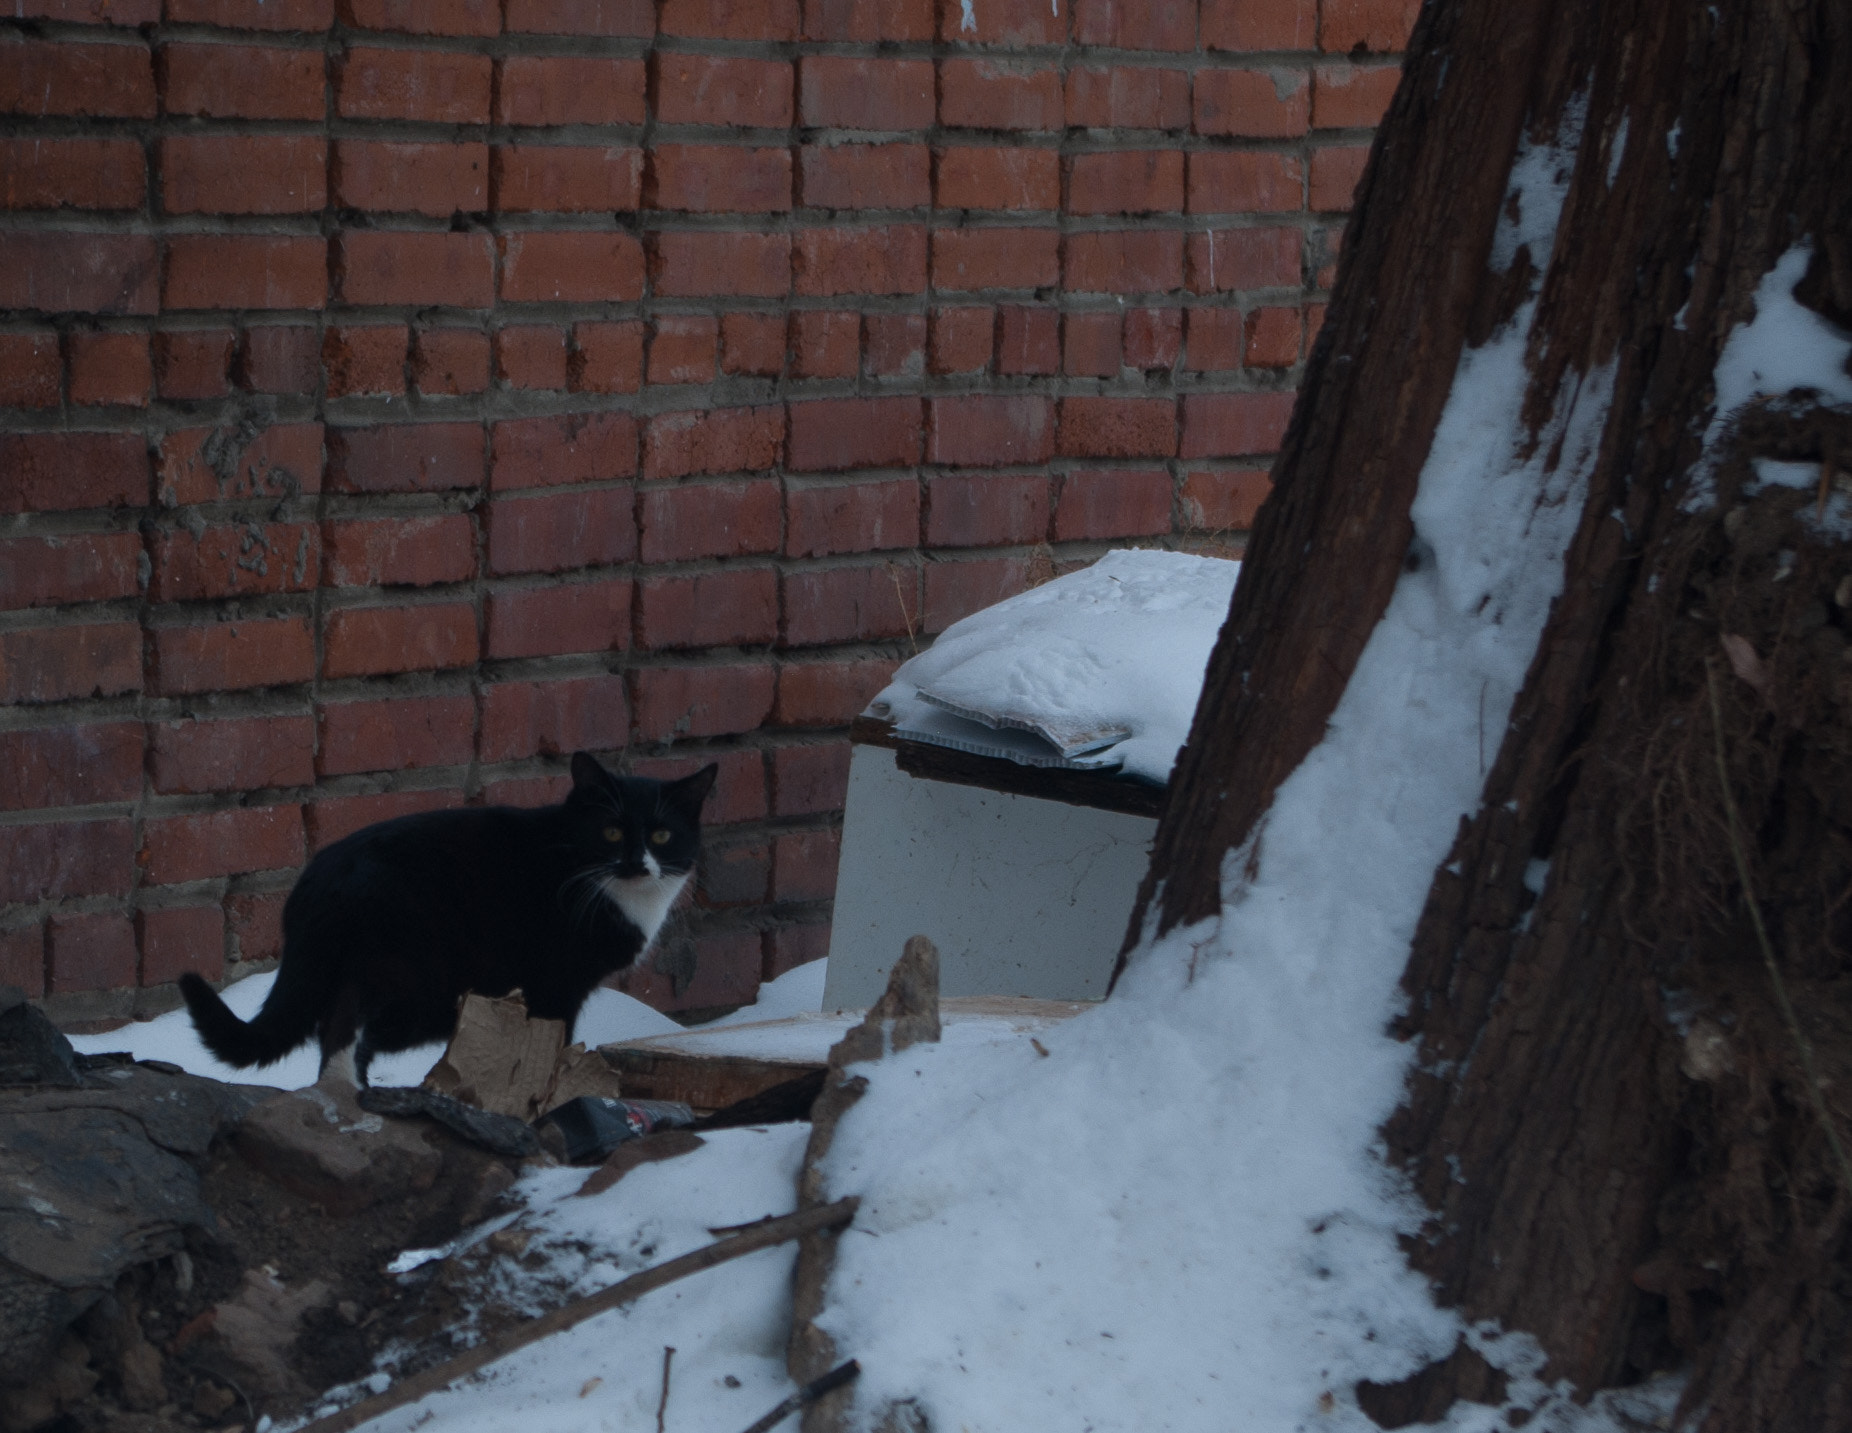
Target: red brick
[383,267]
[1378,26]
[895,346]
[957,589]
[531,355]
[721,440]
[1028,340]
[253,14]
[192,757]
[804,865]
[528,791]
[56,664]
[450,360]
[832,434]
[245,271]
[868,21]
[243,174]
[825,344]
[243,82]
[581,179]
[233,560]
[66,858]
[676,702]
[829,693]
[961,340]
[995,258]
[43,173]
[807,780]
[890,259]
[424,17]
[1239,181]
[995,94]
[1223,501]
[90,12]
[841,92]
[734,875]
[684,348]
[1136,24]
[279,358]
[394,734]
[78,273]
[731,607]
[434,179]
[790,946]
[561,531]
[1224,259]
[58,472]
[1090,344]
[716,178]
[521,719]
[255,923]
[1234,425]
[1314,321]
[1126,181]
[331,818]
[90,952]
[194,363]
[864,176]
[688,265]
[376,641]
[710,520]
[605,357]
[582,17]
[1346,96]
[202,465]
[221,843]
[582,267]
[1253,104]
[560,618]
[994,177]
[726,972]
[109,368]
[858,517]
[987,510]
[1153,338]
[851,604]
[570,448]
[723,89]
[81,567]
[442,86]
[181,938]
[29,370]
[990,431]
[405,458]
[70,765]
[365,361]
[568,89]
[1272,338]
[47,77]
[1118,427]
[1128,97]
[232,656]
[1095,503]
[1336,172]
[1255,25]
[1216,338]
[752,343]
[1016,23]
[763,21]
[399,551]
[22,959]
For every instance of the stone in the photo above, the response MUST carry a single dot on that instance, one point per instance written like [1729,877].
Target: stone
[319,1143]
[258,1326]
[33,1051]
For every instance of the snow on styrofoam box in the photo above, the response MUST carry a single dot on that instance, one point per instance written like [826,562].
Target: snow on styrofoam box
[1121,644]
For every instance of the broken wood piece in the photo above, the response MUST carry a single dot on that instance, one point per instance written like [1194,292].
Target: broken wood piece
[669,1144]
[836,1378]
[500,1059]
[625,1291]
[703,1082]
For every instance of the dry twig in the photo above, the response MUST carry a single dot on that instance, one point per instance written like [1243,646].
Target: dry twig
[807,1395]
[662,1405]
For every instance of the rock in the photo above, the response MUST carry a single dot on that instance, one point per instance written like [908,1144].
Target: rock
[320,1144]
[116,1340]
[33,1051]
[257,1329]
[67,1379]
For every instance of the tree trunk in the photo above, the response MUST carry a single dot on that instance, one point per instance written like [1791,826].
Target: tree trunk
[1613,1122]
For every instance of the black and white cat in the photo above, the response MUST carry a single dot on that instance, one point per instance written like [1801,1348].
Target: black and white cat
[387,929]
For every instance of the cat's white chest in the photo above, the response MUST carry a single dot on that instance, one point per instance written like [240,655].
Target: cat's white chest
[645,900]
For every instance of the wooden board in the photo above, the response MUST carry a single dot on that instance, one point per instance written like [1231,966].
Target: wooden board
[707,1082]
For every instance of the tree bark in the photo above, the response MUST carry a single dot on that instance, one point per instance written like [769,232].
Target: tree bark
[1612,1121]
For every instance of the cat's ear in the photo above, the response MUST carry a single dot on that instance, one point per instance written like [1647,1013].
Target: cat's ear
[695,789]
[588,773]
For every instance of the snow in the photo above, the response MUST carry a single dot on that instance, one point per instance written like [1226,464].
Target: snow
[1120,644]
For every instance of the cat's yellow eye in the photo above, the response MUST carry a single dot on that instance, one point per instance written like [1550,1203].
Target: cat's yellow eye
[613,835]
[659,838]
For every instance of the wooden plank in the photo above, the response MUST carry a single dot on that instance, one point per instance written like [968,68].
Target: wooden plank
[1096,789]
[706,1082]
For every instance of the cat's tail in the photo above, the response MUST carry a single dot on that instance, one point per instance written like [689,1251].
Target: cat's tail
[288,1018]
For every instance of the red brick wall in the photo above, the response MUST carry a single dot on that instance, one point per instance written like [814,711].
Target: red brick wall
[396,395]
